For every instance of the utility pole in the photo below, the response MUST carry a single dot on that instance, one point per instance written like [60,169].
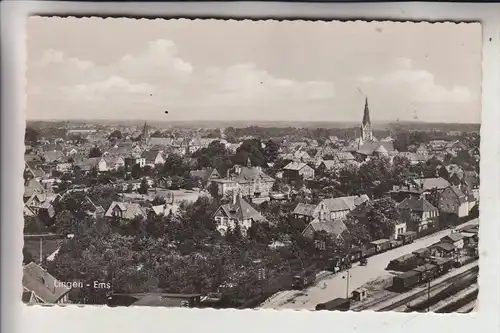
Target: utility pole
[347,280]
[428,294]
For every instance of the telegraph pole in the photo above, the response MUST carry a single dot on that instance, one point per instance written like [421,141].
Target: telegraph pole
[347,280]
[428,294]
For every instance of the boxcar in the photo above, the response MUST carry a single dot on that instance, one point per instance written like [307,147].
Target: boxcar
[338,304]
[423,252]
[404,263]
[443,264]
[408,237]
[395,243]
[369,250]
[427,271]
[405,281]
[381,245]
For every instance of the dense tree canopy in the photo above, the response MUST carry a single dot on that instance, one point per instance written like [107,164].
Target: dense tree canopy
[214,156]
[115,135]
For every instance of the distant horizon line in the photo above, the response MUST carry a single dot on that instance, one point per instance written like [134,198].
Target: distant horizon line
[249,120]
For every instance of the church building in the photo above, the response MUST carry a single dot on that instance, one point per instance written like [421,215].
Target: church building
[366,125]
[368,145]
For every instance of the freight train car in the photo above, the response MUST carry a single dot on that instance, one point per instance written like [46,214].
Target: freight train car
[405,281]
[395,243]
[427,271]
[405,263]
[381,245]
[444,265]
[338,304]
[408,237]
[423,252]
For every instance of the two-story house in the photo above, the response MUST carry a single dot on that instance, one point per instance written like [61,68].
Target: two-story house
[338,208]
[295,170]
[422,150]
[306,212]
[125,210]
[422,213]
[41,204]
[225,186]
[240,212]
[153,158]
[87,164]
[252,181]
[194,145]
[453,201]
[114,162]
[334,228]
[328,209]
[130,161]
[204,176]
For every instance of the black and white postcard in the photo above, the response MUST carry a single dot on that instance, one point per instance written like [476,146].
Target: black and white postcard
[322,166]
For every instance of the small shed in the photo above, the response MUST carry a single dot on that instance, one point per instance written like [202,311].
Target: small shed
[359,294]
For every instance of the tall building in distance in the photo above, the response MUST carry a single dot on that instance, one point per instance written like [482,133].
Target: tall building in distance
[145,134]
[366,125]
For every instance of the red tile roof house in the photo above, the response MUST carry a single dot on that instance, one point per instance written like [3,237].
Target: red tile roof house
[44,287]
[238,211]
[422,213]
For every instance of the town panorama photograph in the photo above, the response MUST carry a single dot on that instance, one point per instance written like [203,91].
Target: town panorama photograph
[322,166]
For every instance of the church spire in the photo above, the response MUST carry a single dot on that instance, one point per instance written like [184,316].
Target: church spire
[366,115]
[366,125]
[145,135]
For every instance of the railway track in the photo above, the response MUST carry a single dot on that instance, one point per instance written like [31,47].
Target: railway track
[463,298]
[443,299]
[467,308]
[398,302]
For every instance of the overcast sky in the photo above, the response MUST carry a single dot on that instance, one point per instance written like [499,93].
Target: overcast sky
[230,70]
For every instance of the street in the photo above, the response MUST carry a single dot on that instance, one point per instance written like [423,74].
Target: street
[336,285]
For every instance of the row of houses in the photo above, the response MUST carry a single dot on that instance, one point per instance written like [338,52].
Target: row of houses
[329,215]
